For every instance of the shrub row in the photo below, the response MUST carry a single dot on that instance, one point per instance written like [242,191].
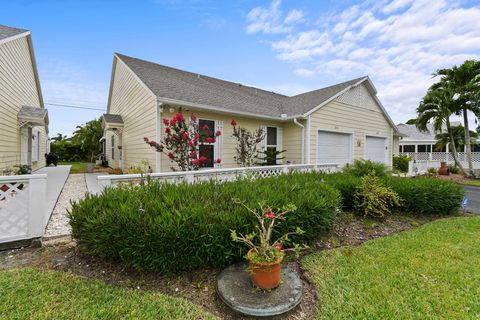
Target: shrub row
[420,195]
[168,228]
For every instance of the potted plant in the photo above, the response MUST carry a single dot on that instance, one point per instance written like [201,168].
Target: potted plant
[265,256]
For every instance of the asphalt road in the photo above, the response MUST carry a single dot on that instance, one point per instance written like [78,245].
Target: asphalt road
[473,194]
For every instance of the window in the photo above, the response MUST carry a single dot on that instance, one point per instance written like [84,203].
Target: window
[271,147]
[409,148]
[113,147]
[206,149]
[400,149]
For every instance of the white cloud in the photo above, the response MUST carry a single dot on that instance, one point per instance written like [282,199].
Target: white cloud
[399,43]
[269,20]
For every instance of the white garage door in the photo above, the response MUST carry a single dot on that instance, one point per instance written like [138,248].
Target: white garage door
[333,147]
[375,149]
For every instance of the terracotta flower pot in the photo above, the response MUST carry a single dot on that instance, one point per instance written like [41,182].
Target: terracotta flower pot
[265,275]
[443,169]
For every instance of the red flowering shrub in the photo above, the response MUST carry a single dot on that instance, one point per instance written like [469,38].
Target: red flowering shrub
[246,152]
[182,140]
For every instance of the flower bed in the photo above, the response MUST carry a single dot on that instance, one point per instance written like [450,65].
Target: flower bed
[168,228]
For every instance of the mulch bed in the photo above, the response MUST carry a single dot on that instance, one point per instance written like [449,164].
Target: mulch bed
[199,286]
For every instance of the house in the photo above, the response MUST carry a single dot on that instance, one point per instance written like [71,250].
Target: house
[336,124]
[23,117]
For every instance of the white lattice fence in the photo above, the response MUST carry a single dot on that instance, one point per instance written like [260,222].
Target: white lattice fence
[22,207]
[421,161]
[214,174]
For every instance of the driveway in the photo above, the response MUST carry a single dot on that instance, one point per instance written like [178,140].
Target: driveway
[473,194]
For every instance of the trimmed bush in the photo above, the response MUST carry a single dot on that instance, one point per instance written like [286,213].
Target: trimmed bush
[420,195]
[400,162]
[361,168]
[425,195]
[169,228]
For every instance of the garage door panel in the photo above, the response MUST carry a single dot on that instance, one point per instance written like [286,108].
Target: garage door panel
[333,147]
[375,149]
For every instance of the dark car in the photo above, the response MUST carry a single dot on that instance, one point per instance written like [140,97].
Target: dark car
[51,158]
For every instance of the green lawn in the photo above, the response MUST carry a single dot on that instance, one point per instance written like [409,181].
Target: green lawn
[41,294]
[77,167]
[471,182]
[432,272]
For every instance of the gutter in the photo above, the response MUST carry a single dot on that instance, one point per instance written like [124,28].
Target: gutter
[303,138]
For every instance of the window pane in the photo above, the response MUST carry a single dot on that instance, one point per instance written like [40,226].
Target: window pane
[206,150]
[422,148]
[408,148]
[209,130]
[271,156]
[271,136]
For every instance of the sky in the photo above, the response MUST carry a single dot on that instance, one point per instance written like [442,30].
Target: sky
[285,46]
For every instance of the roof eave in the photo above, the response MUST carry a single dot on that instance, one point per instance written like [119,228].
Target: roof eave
[223,110]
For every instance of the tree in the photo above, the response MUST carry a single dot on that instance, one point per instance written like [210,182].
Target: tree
[88,137]
[271,156]
[59,137]
[464,80]
[246,152]
[182,141]
[437,106]
[458,133]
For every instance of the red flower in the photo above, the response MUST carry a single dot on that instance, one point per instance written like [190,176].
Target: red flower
[269,215]
[233,123]
[209,140]
[152,143]
[185,135]
[165,121]
[198,126]
[193,117]
[190,143]
[197,136]
[202,159]
[218,160]
[218,133]
[170,155]
[279,247]
[145,139]
[195,161]
[179,117]
[173,121]
[193,154]
[167,130]
[205,127]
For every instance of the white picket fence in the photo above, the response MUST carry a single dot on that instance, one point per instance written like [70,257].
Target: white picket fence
[23,201]
[215,174]
[421,161]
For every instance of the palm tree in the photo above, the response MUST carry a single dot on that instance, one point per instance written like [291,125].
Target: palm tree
[458,133]
[436,107]
[465,81]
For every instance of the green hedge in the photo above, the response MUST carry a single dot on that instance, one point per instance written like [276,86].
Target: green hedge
[187,226]
[420,195]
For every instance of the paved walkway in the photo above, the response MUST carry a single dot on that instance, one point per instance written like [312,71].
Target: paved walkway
[55,182]
[74,190]
[92,183]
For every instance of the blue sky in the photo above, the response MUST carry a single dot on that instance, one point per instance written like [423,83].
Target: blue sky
[284,46]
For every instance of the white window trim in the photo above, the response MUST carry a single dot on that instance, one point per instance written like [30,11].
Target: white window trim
[217,145]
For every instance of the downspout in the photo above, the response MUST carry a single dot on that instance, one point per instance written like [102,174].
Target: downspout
[308,141]
[158,155]
[303,139]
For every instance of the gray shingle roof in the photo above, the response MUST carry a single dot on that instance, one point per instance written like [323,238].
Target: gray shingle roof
[171,83]
[113,118]
[7,32]
[33,114]
[412,133]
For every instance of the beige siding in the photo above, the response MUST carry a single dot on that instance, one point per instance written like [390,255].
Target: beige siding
[17,88]
[357,117]
[396,144]
[229,143]
[292,142]
[137,106]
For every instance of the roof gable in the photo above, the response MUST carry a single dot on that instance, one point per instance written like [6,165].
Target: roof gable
[8,32]
[359,96]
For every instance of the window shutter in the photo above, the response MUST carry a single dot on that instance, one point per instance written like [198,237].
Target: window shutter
[263,146]
[279,142]
[218,150]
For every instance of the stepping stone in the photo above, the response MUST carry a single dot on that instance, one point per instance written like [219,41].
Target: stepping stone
[237,291]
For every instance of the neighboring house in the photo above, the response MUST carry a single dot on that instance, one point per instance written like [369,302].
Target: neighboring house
[414,140]
[336,124]
[23,117]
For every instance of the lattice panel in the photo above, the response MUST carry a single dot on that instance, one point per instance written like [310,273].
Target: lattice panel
[13,210]
[360,97]
[255,174]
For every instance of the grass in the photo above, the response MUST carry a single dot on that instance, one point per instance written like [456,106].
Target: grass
[471,182]
[42,294]
[432,272]
[77,167]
